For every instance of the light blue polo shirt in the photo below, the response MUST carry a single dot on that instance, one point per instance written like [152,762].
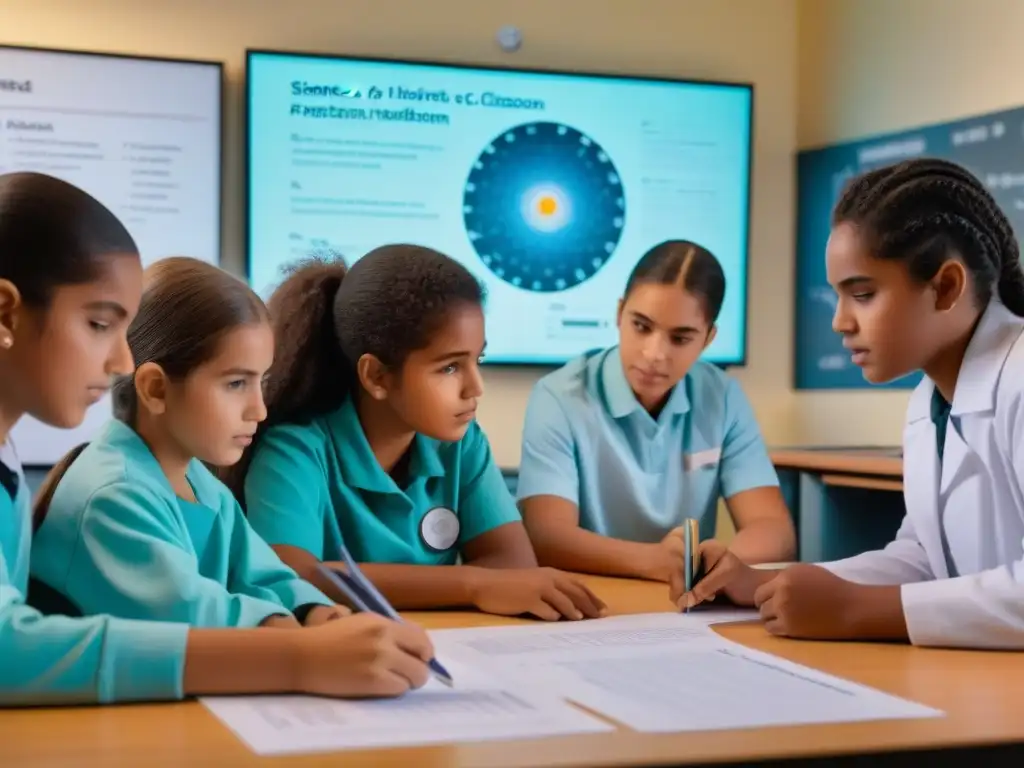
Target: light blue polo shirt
[59,660]
[588,439]
[318,487]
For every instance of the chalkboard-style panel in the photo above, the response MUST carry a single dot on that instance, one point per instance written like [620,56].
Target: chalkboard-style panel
[991,146]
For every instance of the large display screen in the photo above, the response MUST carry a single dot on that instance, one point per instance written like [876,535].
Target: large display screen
[141,135]
[548,186]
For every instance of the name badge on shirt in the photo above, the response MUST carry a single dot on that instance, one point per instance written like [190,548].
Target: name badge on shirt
[439,529]
[698,459]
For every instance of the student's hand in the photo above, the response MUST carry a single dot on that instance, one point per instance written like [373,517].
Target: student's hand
[545,593]
[810,602]
[362,655]
[321,614]
[724,573]
[668,558]
[280,621]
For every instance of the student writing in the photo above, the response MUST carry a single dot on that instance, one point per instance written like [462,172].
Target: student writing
[373,443]
[135,524]
[927,272]
[622,444]
[70,283]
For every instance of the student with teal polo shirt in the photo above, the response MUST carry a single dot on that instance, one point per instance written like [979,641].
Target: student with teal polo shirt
[70,281]
[135,524]
[373,445]
[621,445]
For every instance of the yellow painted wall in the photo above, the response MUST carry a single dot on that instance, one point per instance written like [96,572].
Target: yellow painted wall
[747,40]
[824,71]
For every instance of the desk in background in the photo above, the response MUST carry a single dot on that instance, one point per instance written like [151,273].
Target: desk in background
[979,692]
[844,500]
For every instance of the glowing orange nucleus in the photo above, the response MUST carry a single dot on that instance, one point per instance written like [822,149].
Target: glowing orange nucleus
[547,205]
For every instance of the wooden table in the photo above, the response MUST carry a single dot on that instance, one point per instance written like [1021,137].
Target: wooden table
[980,692]
[875,468]
[844,500]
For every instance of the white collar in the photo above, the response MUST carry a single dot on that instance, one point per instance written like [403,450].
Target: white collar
[982,365]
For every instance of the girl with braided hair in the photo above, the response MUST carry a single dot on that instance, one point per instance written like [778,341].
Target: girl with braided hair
[928,275]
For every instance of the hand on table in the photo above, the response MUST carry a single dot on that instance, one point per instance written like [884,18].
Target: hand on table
[810,602]
[545,593]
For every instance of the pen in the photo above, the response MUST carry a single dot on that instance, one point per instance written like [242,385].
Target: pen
[687,561]
[365,598]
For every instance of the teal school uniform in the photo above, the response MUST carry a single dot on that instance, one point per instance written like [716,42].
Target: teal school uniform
[588,439]
[118,540]
[318,486]
[57,660]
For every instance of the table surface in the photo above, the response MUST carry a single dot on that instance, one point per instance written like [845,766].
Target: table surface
[978,691]
[881,462]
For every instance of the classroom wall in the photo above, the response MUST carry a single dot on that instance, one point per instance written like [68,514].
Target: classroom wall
[745,40]
[871,66]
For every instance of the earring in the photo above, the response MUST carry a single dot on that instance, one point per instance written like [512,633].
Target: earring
[6,341]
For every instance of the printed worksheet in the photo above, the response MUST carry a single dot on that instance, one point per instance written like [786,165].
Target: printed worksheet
[669,672]
[479,707]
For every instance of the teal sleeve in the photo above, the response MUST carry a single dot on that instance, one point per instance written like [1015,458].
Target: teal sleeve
[133,560]
[745,463]
[257,571]
[50,660]
[484,498]
[284,491]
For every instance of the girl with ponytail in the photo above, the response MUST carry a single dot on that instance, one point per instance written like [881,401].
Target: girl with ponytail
[372,445]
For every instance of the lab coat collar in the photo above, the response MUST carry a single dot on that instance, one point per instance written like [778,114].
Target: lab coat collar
[983,363]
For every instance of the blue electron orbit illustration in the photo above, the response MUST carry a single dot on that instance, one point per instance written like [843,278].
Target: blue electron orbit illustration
[544,207]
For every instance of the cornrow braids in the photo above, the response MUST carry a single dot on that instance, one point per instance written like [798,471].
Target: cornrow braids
[926,211]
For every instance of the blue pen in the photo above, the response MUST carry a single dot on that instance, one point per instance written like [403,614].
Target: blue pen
[365,598]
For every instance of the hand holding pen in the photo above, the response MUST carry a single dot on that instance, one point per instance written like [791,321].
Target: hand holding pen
[686,569]
[365,598]
[364,656]
[720,573]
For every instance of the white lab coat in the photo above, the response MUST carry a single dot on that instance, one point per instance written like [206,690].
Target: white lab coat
[975,495]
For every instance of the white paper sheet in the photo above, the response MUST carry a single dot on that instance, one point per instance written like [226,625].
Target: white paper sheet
[479,707]
[669,672]
[723,615]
